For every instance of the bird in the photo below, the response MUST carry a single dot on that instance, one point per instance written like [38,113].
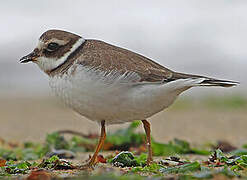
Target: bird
[109,84]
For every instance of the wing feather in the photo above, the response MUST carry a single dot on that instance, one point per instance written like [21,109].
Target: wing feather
[105,57]
[109,58]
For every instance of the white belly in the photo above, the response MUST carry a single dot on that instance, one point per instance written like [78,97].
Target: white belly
[113,100]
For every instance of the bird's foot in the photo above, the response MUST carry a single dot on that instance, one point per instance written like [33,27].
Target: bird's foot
[89,165]
[150,161]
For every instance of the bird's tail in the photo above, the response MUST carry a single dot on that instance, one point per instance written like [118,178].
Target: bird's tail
[218,82]
[206,81]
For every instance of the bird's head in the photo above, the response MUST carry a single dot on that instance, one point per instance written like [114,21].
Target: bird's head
[53,49]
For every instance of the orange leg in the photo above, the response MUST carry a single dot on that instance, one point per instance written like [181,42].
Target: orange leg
[146,126]
[99,146]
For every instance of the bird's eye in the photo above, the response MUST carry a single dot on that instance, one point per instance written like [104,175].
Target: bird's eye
[52,46]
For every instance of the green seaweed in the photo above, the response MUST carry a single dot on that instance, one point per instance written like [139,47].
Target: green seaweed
[175,147]
[185,168]
[18,168]
[124,159]
[55,163]
[152,168]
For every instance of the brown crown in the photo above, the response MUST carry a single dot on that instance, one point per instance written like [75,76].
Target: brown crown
[58,34]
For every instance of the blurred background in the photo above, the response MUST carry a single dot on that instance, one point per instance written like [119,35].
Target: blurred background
[199,37]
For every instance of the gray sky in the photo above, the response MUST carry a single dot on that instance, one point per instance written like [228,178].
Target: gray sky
[200,37]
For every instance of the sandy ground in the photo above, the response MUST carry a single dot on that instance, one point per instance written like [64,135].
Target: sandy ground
[23,119]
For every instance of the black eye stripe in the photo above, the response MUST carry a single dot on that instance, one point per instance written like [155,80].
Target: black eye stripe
[52,46]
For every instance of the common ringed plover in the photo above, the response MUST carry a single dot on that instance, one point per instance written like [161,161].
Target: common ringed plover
[109,84]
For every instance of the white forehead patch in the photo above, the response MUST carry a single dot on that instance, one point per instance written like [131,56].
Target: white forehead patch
[47,64]
[40,44]
[60,42]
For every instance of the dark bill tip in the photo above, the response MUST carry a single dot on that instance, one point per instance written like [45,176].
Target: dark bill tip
[25,60]
[28,58]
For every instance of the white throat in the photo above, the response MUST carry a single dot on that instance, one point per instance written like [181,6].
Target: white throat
[47,64]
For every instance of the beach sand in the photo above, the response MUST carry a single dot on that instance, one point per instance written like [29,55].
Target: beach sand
[24,119]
